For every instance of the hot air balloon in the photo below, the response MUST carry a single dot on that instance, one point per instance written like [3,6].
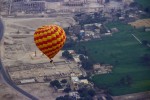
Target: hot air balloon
[50,39]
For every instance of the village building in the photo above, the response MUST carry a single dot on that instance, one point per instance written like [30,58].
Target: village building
[102,69]
[74,94]
[84,81]
[75,29]
[77,83]
[74,82]
[114,30]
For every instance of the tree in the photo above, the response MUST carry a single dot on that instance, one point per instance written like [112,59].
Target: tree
[70,57]
[147,9]
[87,64]
[86,93]
[55,83]
[67,90]
[133,4]
[67,55]
[83,92]
[103,29]
[66,30]
[79,37]
[64,81]
[91,92]
[81,57]
[69,44]
[118,14]
[144,42]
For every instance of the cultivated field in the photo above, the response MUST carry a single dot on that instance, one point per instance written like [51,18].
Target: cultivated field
[144,3]
[124,52]
[141,23]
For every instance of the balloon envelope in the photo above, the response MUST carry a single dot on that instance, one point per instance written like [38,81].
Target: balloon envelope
[50,39]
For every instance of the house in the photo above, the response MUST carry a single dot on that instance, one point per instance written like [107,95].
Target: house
[114,30]
[74,38]
[108,33]
[96,36]
[96,66]
[121,18]
[77,83]
[82,32]
[74,82]
[98,25]
[71,51]
[76,59]
[75,29]
[102,69]
[74,94]
[89,27]
[84,81]
[23,81]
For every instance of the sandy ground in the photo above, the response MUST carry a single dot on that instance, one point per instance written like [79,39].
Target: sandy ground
[13,25]
[8,93]
[42,91]
[141,23]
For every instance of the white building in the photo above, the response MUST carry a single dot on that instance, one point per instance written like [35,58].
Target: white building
[74,82]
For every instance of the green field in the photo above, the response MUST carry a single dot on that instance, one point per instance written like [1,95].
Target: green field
[144,3]
[124,52]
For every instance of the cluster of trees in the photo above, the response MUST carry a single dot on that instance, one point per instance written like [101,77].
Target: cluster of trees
[66,30]
[136,4]
[69,44]
[145,42]
[67,90]
[67,55]
[87,64]
[63,81]
[56,83]
[103,29]
[66,97]
[86,94]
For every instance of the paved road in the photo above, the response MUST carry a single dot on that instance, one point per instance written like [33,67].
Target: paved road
[4,74]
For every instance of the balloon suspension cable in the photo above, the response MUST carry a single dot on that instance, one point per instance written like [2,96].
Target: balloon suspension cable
[51,61]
